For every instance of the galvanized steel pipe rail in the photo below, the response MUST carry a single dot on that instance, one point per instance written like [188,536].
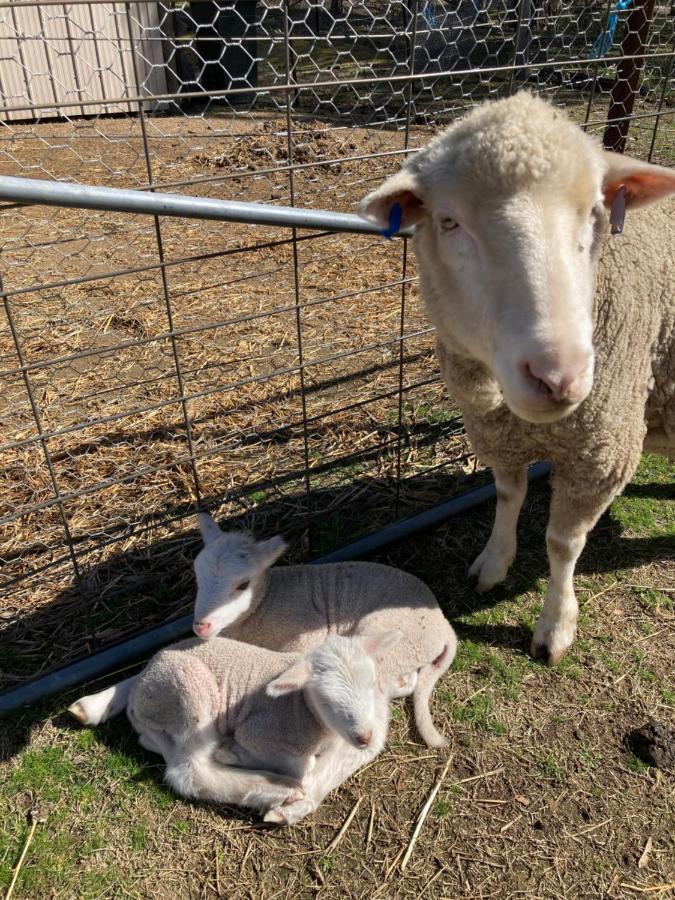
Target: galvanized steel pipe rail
[40,192]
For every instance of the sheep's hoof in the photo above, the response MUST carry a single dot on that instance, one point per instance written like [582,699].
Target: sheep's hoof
[488,570]
[275,817]
[552,639]
[77,711]
[540,650]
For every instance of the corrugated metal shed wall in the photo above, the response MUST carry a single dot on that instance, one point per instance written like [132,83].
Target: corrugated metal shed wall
[58,53]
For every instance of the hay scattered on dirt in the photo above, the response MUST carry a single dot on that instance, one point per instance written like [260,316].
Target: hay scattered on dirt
[103,375]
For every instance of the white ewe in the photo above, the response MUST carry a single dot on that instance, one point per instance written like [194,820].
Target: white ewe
[557,342]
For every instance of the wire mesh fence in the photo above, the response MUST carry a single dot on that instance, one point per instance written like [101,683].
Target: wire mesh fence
[285,379]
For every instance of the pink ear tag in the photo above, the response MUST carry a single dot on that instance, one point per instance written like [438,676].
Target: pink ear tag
[617,214]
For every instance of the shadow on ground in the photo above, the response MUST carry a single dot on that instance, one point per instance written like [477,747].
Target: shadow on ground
[440,557]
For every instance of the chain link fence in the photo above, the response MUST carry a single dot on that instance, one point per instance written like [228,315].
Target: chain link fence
[285,380]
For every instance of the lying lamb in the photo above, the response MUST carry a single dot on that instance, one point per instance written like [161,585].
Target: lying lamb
[294,608]
[557,341]
[226,716]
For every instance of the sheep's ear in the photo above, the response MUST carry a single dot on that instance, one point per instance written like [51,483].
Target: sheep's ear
[402,188]
[373,644]
[209,529]
[643,182]
[293,679]
[270,550]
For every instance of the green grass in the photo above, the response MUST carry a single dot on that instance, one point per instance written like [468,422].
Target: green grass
[181,827]
[642,671]
[611,664]
[653,600]
[441,808]
[648,516]
[635,764]
[82,790]
[589,758]
[478,712]
[327,863]
[46,773]
[549,767]
[139,837]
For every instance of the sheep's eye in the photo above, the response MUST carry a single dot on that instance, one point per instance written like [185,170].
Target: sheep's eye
[449,224]
[242,586]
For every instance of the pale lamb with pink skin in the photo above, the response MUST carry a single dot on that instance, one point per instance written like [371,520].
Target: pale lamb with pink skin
[272,731]
[557,341]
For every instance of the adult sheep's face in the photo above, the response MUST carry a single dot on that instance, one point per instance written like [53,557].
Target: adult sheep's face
[511,204]
[230,570]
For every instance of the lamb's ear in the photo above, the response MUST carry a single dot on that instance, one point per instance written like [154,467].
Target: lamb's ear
[373,644]
[402,188]
[293,679]
[644,182]
[270,550]
[209,529]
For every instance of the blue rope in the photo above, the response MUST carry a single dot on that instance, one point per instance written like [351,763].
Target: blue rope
[603,42]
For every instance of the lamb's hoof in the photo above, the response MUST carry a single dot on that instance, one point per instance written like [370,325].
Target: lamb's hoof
[77,711]
[274,816]
[293,796]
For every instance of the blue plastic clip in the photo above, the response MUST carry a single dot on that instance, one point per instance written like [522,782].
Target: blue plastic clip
[395,219]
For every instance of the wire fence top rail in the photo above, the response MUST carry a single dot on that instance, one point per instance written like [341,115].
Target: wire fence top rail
[37,191]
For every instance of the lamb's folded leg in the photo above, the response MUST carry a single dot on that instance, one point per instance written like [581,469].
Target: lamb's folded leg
[573,514]
[228,752]
[195,775]
[330,770]
[492,565]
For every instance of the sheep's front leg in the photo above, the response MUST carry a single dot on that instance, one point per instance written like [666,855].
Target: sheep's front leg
[572,516]
[493,563]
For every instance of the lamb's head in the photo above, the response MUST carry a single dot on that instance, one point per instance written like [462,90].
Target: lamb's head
[231,569]
[340,684]
[511,205]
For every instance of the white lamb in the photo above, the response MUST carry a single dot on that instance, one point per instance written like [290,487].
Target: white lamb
[557,341]
[231,720]
[294,608]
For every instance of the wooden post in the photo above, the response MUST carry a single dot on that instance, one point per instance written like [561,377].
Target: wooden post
[625,88]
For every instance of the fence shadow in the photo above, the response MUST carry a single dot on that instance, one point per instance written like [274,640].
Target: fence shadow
[440,557]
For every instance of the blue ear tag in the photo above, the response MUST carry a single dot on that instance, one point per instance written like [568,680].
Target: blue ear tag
[395,219]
